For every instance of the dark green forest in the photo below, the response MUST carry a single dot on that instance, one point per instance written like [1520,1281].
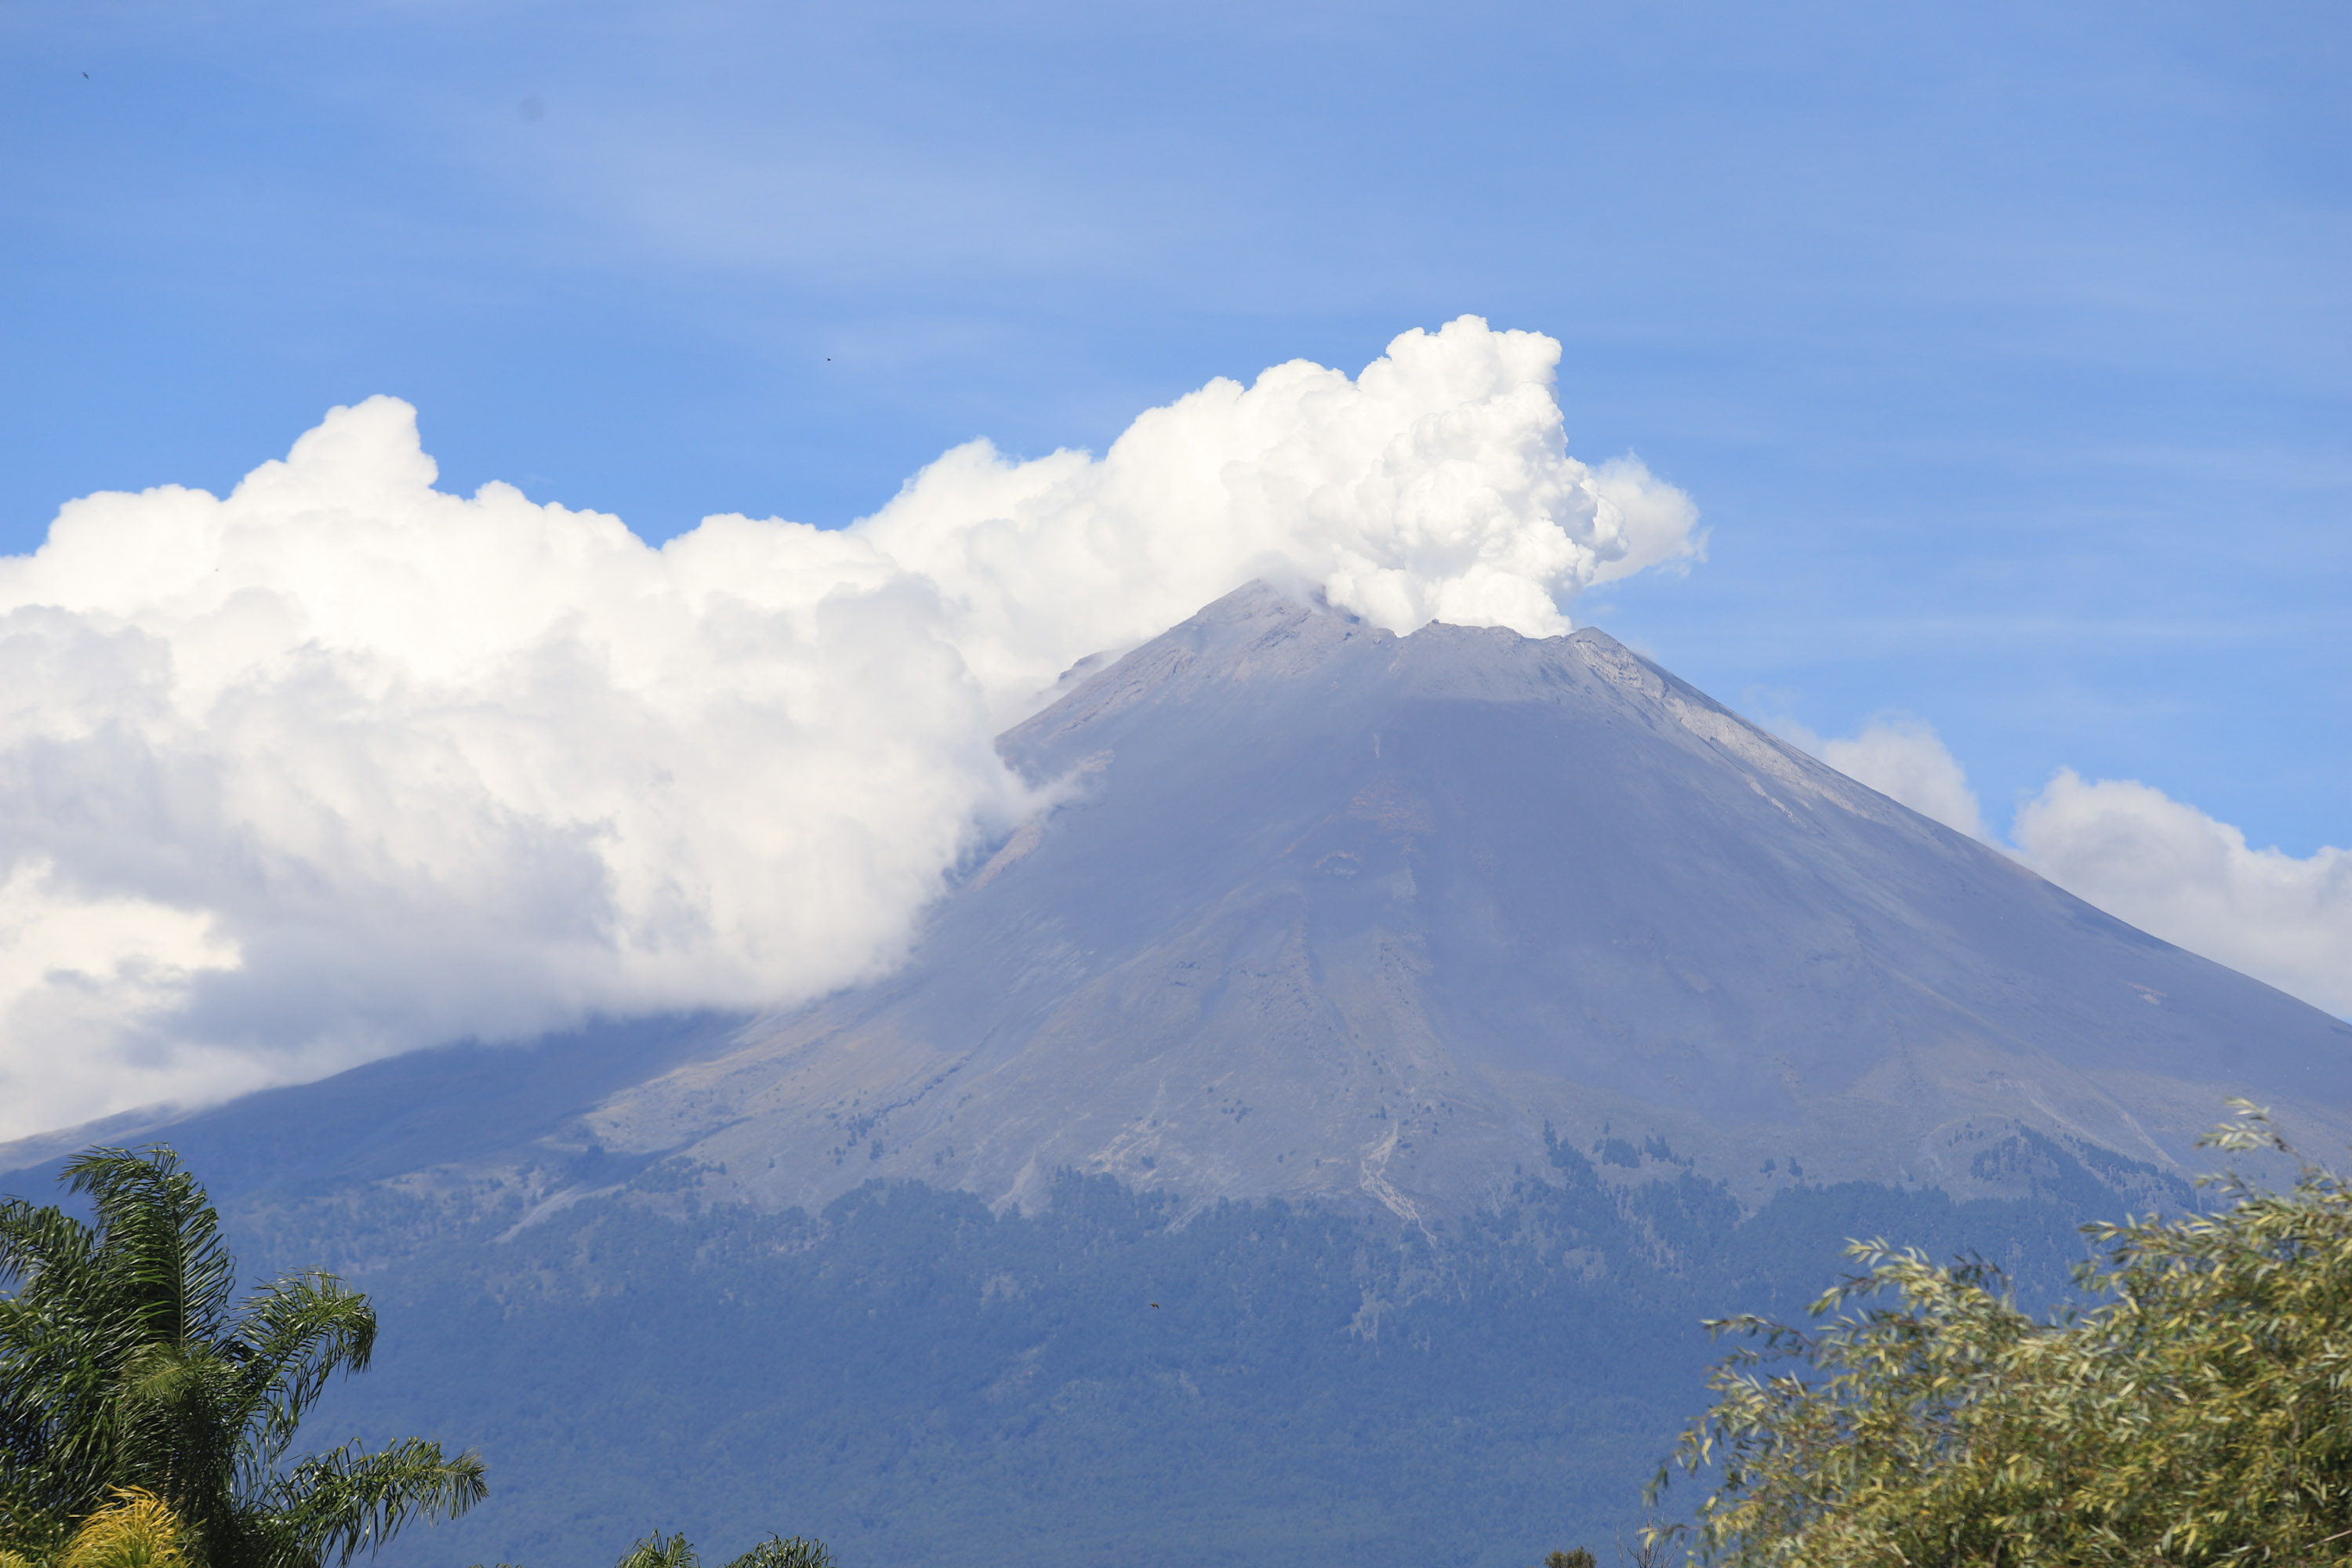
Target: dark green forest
[914,1379]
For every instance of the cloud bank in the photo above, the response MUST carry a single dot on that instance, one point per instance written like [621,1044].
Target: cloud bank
[339,764]
[2144,858]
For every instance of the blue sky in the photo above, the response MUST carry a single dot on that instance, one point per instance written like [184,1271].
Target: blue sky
[2006,349]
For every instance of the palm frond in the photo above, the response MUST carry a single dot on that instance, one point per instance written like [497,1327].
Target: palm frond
[160,1239]
[57,1389]
[118,1368]
[654,1551]
[29,1531]
[175,1415]
[139,1530]
[38,1243]
[805,1551]
[294,1335]
[337,1504]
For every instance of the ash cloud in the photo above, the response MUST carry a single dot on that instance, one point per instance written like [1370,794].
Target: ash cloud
[339,764]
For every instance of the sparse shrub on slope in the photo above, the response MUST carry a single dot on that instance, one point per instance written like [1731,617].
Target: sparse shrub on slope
[2200,1414]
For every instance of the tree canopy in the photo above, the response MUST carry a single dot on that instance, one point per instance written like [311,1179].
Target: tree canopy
[127,1373]
[657,1551]
[2198,1411]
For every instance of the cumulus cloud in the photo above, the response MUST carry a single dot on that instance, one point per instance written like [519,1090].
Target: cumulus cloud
[2176,873]
[1905,761]
[2144,858]
[340,764]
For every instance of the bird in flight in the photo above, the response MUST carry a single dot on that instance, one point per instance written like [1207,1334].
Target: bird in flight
[1155,1303]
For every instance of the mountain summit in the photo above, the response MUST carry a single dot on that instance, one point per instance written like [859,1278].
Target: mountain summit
[1339,915]
[1557,1007]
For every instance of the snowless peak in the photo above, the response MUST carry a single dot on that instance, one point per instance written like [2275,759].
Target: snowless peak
[1327,912]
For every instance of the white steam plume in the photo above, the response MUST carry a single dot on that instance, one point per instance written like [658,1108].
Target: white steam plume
[340,764]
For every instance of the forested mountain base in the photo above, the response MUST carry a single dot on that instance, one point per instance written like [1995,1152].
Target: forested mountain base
[914,1380]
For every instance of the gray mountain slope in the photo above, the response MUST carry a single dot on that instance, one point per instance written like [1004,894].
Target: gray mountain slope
[1339,915]
[460,1106]
[1454,928]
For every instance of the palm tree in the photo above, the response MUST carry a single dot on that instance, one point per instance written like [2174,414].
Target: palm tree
[137,1531]
[122,1366]
[656,1550]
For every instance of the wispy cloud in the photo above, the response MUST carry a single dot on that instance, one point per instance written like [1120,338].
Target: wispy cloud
[2127,847]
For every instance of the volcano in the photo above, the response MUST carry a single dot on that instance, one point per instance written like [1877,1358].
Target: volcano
[1313,1140]
[1347,917]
